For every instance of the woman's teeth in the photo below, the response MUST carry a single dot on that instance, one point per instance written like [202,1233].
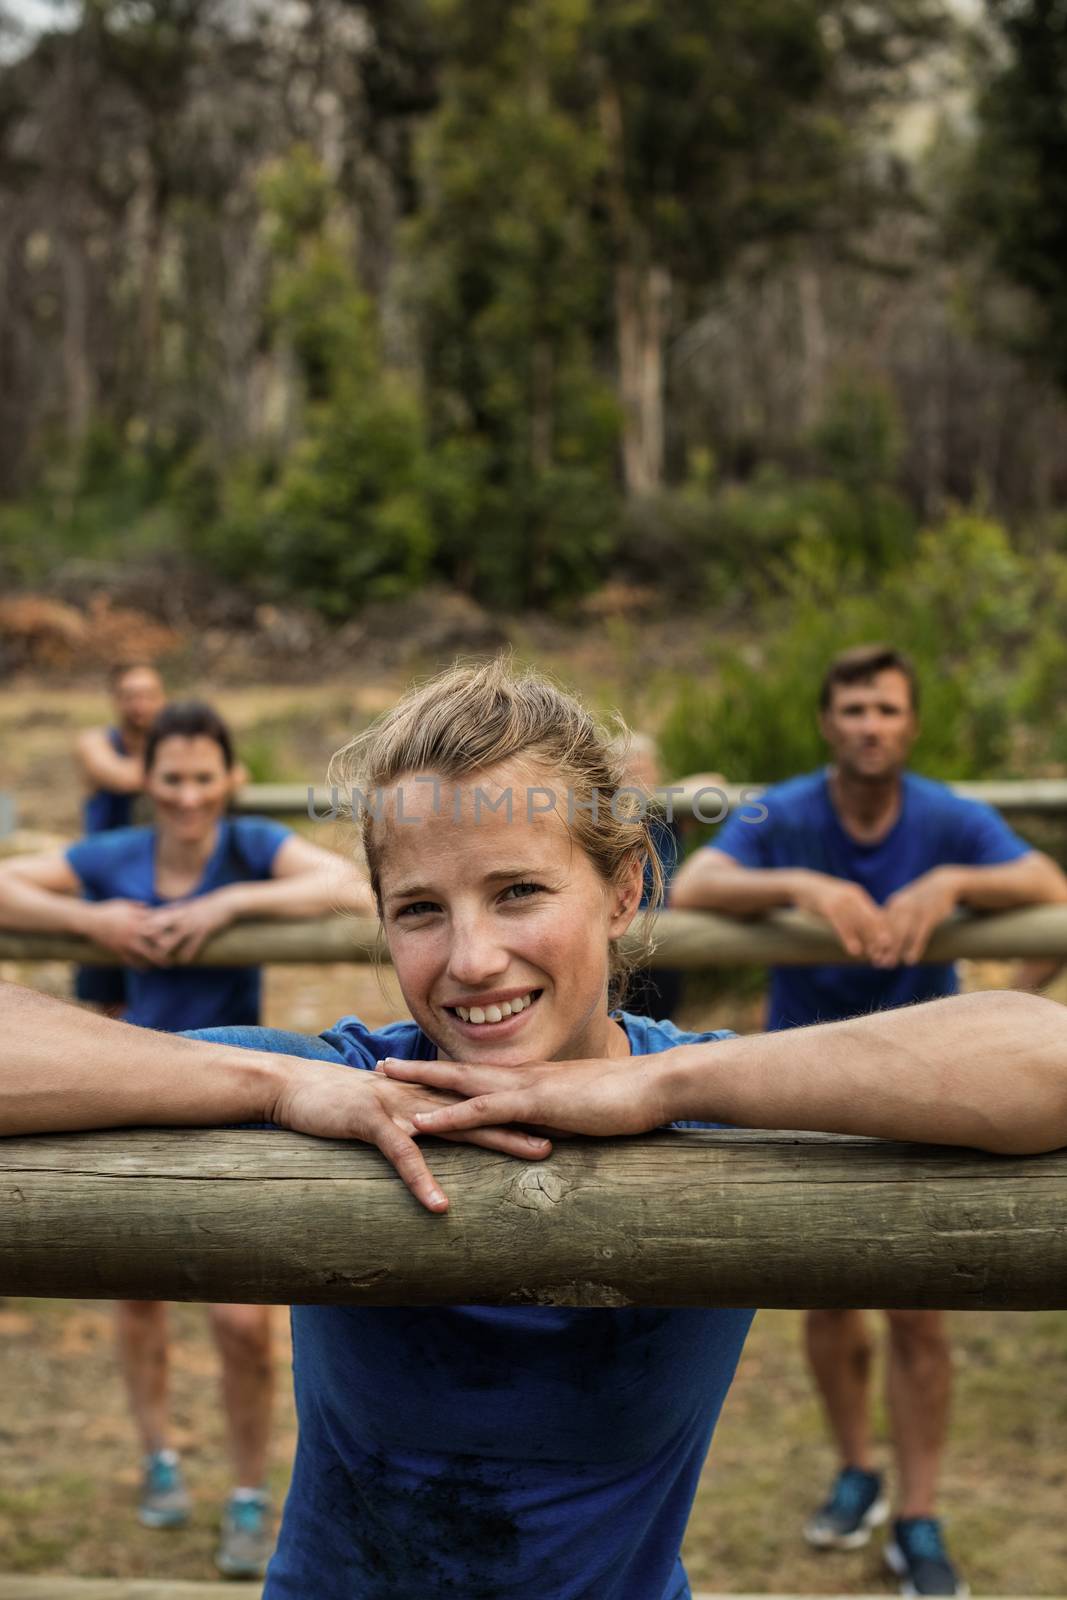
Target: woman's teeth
[506,1008]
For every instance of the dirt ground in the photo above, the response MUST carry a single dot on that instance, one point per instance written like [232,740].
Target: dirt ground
[68,1467]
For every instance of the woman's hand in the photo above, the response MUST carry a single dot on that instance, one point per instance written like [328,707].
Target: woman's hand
[611,1096]
[342,1103]
[180,931]
[125,927]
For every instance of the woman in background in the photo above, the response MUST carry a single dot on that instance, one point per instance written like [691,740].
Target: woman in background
[154,895]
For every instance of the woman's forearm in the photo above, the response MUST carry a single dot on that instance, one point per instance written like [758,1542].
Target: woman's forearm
[27,908]
[310,895]
[64,1069]
[986,1070]
[1032,880]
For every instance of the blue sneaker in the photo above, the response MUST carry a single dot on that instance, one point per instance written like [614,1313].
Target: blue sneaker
[916,1553]
[247,1535]
[164,1498]
[856,1505]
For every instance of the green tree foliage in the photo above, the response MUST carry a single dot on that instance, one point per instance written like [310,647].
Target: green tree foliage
[510,291]
[1017,188]
[340,515]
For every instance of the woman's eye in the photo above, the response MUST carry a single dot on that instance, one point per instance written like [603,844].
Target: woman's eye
[417,908]
[522,891]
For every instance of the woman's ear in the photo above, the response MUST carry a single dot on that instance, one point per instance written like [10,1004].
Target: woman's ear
[627,894]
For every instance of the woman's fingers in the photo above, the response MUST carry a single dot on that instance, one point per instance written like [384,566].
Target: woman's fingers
[404,1154]
[509,1141]
[484,1110]
[457,1076]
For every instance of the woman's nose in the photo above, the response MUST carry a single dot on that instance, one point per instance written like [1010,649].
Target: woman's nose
[475,953]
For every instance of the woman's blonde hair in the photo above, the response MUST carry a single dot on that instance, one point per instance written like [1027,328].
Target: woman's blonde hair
[473,717]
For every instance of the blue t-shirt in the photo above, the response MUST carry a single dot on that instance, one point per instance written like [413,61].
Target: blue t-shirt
[480,1452]
[801,828]
[105,809]
[121,865]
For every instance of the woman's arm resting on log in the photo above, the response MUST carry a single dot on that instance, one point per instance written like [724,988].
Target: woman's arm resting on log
[63,1069]
[985,1070]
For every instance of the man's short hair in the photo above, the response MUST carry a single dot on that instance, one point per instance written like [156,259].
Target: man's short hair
[864,662]
[121,669]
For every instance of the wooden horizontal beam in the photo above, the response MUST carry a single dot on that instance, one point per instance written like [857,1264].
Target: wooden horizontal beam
[689,940]
[1020,797]
[675,1218]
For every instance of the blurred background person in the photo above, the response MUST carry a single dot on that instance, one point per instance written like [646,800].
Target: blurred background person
[883,856]
[154,895]
[111,762]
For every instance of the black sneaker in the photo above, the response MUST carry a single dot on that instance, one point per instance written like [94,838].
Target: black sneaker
[916,1553]
[856,1505]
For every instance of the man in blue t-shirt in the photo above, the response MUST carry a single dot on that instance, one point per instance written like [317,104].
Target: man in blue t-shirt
[883,856]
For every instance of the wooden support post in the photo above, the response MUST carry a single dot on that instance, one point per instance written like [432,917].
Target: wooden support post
[677,1218]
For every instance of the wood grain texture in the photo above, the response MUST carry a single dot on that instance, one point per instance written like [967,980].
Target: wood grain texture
[675,1218]
[690,940]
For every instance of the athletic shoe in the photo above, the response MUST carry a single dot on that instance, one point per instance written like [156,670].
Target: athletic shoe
[856,1505]
[164,1497]
[916,1553]
[247,1535]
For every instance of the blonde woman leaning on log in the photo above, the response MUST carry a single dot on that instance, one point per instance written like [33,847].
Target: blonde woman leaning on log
[535,1451]
[153,896]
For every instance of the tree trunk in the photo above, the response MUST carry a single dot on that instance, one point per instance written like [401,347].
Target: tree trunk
[77,374]
[642,312]
[541,415]
[642,301]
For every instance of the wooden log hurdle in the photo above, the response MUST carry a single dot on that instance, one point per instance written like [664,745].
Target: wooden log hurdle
[688,940]
[1032,797]
[719,1218]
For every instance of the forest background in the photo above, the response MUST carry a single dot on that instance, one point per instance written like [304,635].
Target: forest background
[754,314]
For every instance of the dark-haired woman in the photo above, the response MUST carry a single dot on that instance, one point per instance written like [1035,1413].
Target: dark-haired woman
[154,895]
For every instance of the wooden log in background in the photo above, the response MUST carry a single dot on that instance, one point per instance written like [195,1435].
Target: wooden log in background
[1019,797]
[690,940]
[675,1218]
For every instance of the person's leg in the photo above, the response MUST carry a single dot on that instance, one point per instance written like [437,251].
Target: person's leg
[243,1335]
[141,1332]
[919,1383]
[839,1352]
[141,1329]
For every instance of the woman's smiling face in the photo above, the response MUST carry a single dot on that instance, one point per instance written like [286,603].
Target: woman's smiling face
[499,918]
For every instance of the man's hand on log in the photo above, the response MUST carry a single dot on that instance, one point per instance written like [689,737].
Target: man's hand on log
[858,921]
[342,1103]
[916,910]
[604,1098]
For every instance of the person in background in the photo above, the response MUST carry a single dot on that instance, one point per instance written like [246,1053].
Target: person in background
[657,992]
[112,767]
[883,856]
[154,895]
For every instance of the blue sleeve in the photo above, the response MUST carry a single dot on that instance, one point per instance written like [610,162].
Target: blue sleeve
[273,1041]
[87,860]
[748,841]
[259,839]
[985,838]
